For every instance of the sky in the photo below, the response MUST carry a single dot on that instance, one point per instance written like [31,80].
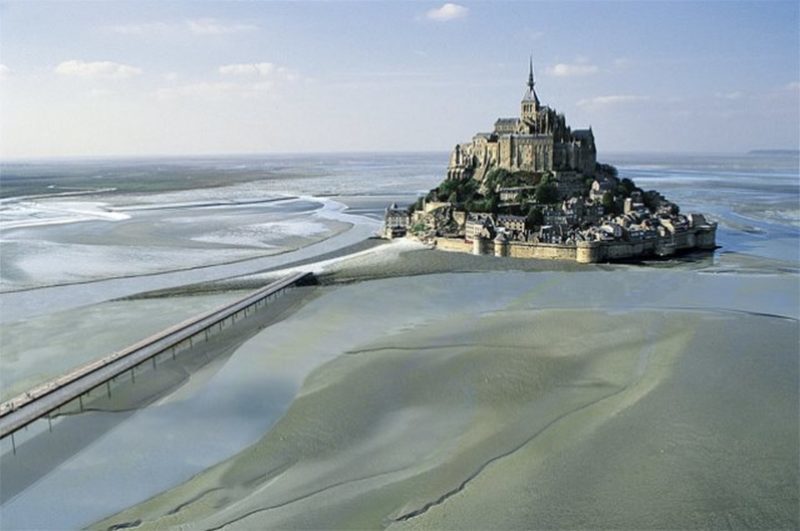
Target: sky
[115,78]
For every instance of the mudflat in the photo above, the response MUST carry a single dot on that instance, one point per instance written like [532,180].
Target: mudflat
[644,406]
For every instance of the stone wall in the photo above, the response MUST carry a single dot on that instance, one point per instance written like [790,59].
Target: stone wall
[543,251]
[585,252]
[430,206]
[625,250]
[706,238]
[453,244]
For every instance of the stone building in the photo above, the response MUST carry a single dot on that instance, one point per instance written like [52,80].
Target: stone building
[395,222]
[512,223]
[478,224]
[537,142]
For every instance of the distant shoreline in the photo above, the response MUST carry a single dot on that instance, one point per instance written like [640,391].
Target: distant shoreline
[767,152]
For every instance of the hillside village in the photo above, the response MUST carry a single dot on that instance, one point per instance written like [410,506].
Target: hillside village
[532,188]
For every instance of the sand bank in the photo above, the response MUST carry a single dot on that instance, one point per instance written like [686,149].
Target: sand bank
[519,417]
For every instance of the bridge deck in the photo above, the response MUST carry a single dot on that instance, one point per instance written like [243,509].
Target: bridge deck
[43,399]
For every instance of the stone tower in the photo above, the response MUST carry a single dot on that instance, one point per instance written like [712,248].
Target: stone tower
[530,102]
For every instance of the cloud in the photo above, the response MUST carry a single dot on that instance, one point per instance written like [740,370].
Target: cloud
[97,69]
[212,26]
[248,69]
[245,80]
[794,85]
[257,70]
[147,28]
[572,70]
[447,12]
[607,101]
[4,71]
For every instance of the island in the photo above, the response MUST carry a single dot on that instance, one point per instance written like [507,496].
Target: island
[532,188]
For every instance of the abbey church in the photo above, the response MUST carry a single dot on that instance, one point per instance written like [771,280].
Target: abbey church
[539,142]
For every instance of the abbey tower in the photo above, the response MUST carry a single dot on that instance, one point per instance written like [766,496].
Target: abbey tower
[537,142]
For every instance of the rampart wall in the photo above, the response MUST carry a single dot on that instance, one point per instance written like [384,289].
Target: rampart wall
[586,252]
[453,244]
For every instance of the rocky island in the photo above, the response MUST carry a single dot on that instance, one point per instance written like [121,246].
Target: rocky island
[532,188]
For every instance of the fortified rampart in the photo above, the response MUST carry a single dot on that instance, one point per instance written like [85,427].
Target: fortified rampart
[702,238]
[458,245]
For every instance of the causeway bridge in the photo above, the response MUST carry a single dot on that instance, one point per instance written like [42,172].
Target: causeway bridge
[44,399]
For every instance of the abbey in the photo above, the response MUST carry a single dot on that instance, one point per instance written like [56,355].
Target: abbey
[539,142]
[532,188]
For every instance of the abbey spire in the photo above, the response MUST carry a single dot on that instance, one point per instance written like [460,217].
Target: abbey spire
[530,102]
[531,82]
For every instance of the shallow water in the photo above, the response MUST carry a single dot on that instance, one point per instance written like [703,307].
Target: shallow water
[39,349]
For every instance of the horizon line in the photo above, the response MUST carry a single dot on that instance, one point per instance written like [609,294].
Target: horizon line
[110,157]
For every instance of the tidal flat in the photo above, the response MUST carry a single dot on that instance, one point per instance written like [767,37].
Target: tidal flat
[512,400]
[412,387]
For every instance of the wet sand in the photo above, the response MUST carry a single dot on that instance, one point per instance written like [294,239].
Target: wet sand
[550,410]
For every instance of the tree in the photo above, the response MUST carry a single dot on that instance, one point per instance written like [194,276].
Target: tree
[535,217]
[609,205]
[627,187]
[651,200]
[496,176]
[416,205]
[606,169]
[547,193]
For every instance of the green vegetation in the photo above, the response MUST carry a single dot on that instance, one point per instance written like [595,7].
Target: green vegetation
[418,228]
[606,169]
[535,217]
[501,178]
[473,196]
[609,205]
[466,194]
[547,193]
[455,191]
[626,188]
[416,205]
